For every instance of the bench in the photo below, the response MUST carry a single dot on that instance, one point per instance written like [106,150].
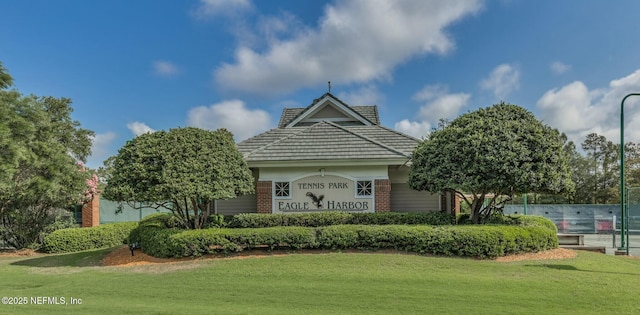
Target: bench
[576,242]
[570,239]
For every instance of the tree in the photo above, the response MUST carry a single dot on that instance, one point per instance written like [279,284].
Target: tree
[603,156]
[5,78]
[581,175]
[495,151]
[184,169]
[39,147]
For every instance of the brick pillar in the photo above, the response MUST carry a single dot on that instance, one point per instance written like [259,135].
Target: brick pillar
[91,212]
[456,204]
[383,195]
[264,191]
[450,202]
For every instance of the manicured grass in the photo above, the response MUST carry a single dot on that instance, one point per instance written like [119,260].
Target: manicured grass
[336,283]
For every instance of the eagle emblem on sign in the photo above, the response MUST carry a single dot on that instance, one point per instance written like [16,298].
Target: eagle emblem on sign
[317,200]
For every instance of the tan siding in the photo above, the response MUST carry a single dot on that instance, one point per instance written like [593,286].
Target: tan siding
[405,199]
[242,204]
[328,112]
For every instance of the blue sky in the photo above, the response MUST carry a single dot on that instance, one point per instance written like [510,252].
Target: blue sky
[137,66]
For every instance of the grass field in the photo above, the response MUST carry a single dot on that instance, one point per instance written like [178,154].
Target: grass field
[335,283]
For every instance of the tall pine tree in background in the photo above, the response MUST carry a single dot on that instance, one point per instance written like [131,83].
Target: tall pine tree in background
[40,147]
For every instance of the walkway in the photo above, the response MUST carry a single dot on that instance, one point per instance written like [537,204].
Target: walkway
[607,241]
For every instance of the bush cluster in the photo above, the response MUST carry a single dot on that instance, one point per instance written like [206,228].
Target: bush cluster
[78,239]
[487,241]
[254,220]
[513,219]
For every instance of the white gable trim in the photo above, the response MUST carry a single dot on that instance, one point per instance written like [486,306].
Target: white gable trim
[334,102]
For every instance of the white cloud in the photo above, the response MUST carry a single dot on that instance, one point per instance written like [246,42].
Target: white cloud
[430,92]
[413,128]
[274,29]
[164,68]
[221,7]
[366,95]
[439,104]
[100,148]
[578,111]
[232,115]
[355,42]
[446,106]
[503,80]
[138,128]
[568,108]
[559,67]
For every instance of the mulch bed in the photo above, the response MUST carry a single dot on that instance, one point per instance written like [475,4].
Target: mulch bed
[122,256]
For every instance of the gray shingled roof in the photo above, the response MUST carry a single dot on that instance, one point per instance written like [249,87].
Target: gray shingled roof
[328,141]
[289,114]
[369,113]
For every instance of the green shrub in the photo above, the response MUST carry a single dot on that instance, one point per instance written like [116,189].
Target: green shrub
[517,234]
[216,221]
[274,237]
[152,233]
[78,239]
[254,220]
[177,243]
[536,220]
[470,241]
[399,237]
[513,219]
[410,218]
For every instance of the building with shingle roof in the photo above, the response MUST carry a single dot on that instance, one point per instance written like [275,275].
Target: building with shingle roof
[331,156]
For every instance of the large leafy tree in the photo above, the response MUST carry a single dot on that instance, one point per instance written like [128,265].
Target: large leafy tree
[40,146]
[495,151]
[184,169]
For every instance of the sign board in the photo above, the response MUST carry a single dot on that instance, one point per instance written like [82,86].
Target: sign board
[324,193]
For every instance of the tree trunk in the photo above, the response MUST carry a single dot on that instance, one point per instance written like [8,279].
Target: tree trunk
[476,208]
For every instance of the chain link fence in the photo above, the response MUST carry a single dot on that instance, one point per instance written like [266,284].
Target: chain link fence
[584,219]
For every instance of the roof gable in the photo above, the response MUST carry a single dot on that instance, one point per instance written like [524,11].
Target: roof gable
[326,108]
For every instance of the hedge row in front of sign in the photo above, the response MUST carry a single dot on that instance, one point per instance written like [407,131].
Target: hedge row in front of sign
[254,220]
[483,241]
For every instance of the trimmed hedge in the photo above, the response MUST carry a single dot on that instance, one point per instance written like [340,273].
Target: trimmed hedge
[173,243]
[483,241]
[254,220]
[79,239]
[513,219]
[470,241]
[157,239]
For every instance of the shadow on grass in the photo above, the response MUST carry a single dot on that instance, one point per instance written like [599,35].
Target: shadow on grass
[574,268]
[79,259]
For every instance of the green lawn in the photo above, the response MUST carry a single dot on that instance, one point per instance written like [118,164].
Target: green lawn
[334,283]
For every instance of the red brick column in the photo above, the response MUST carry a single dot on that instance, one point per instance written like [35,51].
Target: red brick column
[91,212]
[456,204]
[450,202]
[264,191]
[383,195]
